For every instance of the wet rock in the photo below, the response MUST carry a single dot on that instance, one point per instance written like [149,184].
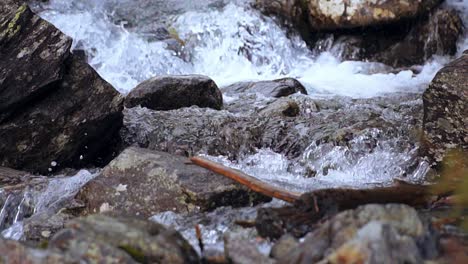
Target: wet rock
[331,123]
[14,252]
[276,88]
[42,226]
[446,111]
[9,177]
[389,233]
[280,107]
[239,251]
[144,182]
[173,92]
[56,111]
[33,52]
[436,35]
[337,14]
[189,131]
[283,246]
[115,240]
[72,125]
[398,42]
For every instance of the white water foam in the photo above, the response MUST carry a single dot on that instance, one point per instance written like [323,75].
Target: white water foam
[231,44]
[49,198]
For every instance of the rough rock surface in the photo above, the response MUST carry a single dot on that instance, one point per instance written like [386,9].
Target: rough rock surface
[95,236]
[55,110]
[327,123]
[11,177]
[391,233]
[32,52]
[446,110]
[338,14]
[436,35]
[14,252]
[240,251]
[399,42]
[106,240]
[276,88]
[173,92]
[144,182]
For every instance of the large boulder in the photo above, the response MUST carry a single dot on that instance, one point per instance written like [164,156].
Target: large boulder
[144,182]
[105,239]
[339,14]
[33,52]
[391,233]
[275,88]
[418,33]
[173,92]
[55,110]
[446,110]
[122,240]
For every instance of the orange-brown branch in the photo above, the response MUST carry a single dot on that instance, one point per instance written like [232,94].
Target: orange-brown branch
[247,180]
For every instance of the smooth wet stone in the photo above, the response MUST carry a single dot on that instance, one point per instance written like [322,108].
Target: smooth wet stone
[275,88]
[446,110]
[173,92]
[144,182]
[55,110]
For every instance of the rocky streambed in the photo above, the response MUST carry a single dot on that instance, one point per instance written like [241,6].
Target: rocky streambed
[353,105]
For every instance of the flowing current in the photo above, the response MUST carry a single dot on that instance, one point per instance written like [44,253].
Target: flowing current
[230,42]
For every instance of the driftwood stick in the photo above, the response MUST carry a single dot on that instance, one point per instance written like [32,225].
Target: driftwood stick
[247,180]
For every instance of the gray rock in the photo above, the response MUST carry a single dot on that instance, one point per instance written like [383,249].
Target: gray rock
[173,92]
[104,239]
[122,240]
[56,111]
[15,252]
[239,251]
[276,88]
[33,52]
[11,177]
[371,234]
[144,182]
[283,246]
[446,110]
[42,226]
[330,122]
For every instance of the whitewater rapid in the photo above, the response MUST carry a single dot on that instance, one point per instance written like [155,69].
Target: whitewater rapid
[216,39]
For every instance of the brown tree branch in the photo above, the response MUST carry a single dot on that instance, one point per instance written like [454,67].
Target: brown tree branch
[247,180]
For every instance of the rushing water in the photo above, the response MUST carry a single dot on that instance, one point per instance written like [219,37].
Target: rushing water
[229,41]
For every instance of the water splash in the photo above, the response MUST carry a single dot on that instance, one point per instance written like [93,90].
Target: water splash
[41,195]
[230,42]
